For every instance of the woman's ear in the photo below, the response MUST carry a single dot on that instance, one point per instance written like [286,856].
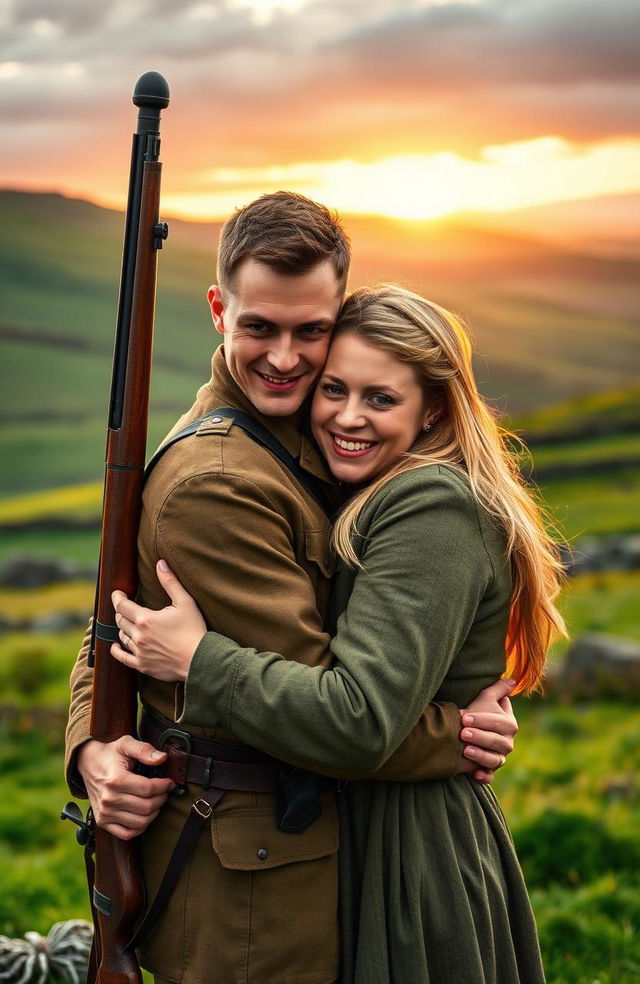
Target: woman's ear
[214,298]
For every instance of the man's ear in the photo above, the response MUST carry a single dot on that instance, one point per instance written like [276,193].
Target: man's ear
[214,297]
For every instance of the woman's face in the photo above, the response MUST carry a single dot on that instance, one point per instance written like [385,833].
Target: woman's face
[367,410]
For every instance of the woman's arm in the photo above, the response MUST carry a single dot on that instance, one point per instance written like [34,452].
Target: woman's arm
[426,570]
[162,644]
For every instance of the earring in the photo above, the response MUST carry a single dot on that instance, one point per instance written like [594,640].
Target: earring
[427,427]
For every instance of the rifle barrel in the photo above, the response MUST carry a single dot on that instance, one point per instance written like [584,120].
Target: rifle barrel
[117,893]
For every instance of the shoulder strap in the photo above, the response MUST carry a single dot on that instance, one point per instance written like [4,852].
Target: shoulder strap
[261,435]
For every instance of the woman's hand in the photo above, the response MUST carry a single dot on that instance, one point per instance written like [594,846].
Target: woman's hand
[489,731]
[159,644]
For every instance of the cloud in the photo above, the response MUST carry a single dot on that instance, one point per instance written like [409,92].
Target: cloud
[256,83]
[498,43]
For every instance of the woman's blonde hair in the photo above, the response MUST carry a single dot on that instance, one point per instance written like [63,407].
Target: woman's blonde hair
[464,433]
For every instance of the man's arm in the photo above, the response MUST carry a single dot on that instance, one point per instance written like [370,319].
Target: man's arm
[483,745]
[122,802]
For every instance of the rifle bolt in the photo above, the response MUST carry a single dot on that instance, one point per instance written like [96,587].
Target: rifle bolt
[160,233]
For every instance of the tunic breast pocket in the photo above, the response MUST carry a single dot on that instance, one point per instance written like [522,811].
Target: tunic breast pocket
[318,551]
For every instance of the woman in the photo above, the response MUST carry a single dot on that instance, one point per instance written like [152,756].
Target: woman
[445,566]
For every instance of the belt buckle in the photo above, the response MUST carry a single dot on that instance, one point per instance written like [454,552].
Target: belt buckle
[185,738]
[182,736]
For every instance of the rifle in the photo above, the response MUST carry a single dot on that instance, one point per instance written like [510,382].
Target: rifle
[116,890]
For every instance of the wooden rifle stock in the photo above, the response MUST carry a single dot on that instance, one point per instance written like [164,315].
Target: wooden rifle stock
[117,897]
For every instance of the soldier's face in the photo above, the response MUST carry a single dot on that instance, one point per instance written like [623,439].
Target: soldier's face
[277,329]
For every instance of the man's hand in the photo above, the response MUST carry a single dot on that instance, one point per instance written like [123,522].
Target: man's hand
[123,803]
[489,731]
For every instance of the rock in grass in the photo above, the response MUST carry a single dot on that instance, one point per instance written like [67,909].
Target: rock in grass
[598,664]
[30,571]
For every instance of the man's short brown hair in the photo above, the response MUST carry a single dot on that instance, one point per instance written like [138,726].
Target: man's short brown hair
[288,232]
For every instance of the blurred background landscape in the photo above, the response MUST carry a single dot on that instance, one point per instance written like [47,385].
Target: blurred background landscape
[504,187]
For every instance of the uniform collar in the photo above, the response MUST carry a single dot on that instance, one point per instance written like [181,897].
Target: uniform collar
[288,430]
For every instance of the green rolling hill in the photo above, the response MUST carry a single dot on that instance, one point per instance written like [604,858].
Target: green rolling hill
[550,323]
[59,273]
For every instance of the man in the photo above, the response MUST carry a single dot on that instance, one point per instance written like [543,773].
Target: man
[250,542]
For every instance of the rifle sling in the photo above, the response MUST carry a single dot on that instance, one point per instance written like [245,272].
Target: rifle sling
[95,955]
[199,815]
[260,435]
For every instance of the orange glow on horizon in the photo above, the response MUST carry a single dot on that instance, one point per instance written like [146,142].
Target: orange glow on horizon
[407,186]
[425,186]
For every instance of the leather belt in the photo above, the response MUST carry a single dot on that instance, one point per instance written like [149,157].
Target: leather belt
[216,766]
[207,762]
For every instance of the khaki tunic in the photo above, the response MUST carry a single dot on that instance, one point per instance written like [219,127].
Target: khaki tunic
[251,545]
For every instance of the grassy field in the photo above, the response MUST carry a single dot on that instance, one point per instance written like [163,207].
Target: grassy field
[605,412]
[64,451]
[572,799]
[589,451]
[80,546]
[570,793]
[599,505]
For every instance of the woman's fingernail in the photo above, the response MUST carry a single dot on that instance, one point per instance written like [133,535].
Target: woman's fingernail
[162,564]
[468,719]
[471,752]
[467,734]
[156,755]
[510,683]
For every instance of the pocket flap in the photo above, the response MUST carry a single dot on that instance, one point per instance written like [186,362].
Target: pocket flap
[317,549]
[248,839]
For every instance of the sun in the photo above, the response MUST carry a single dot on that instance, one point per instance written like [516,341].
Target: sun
[402,187]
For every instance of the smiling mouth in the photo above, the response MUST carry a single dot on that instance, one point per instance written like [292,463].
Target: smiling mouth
[279,382]
[351,449]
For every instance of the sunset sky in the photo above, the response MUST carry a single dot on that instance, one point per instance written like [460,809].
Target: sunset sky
[410,108]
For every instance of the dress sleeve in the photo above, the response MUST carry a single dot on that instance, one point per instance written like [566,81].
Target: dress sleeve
[425,572]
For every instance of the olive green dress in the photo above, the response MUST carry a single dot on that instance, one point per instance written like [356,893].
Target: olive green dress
[431,889]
